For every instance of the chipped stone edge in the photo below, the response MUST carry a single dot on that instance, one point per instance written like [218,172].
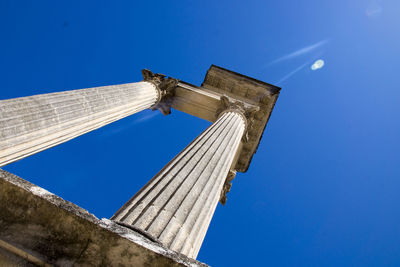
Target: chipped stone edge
[103,223]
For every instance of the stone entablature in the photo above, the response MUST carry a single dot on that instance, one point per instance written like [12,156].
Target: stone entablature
[249,91]
[221,86]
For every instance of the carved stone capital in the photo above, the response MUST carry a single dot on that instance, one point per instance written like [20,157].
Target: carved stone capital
[246,111]
[165,86]
[227,186]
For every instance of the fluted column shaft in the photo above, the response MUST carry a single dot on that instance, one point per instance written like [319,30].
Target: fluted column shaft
[177,205]
[34,123]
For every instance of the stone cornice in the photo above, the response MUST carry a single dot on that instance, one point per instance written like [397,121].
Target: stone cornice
[165,87]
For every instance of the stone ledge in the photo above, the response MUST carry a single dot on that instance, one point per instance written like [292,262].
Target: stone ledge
[41,228]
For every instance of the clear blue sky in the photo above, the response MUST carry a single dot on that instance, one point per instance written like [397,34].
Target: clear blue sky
[323,188]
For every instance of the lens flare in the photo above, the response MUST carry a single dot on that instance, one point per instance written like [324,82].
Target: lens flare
[317,64]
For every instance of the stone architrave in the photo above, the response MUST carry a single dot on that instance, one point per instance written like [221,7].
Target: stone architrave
[175,208]
[31,124]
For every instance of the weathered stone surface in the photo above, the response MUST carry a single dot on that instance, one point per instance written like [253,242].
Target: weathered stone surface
[227,186]
[177,205]
[34,123]
[39,228]
[166,86]
[251,92]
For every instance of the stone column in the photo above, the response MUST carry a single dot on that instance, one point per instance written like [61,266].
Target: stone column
[34,123]
[176,206]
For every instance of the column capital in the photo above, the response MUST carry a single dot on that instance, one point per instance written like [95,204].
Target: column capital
[165,87]
[245,110]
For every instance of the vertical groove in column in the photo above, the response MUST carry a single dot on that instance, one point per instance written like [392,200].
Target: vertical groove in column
[158,180]
[151,210]
[198,234]
[69,104]
[177,204]
[198,206]
[169,231]
[51,140]
[31,124]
